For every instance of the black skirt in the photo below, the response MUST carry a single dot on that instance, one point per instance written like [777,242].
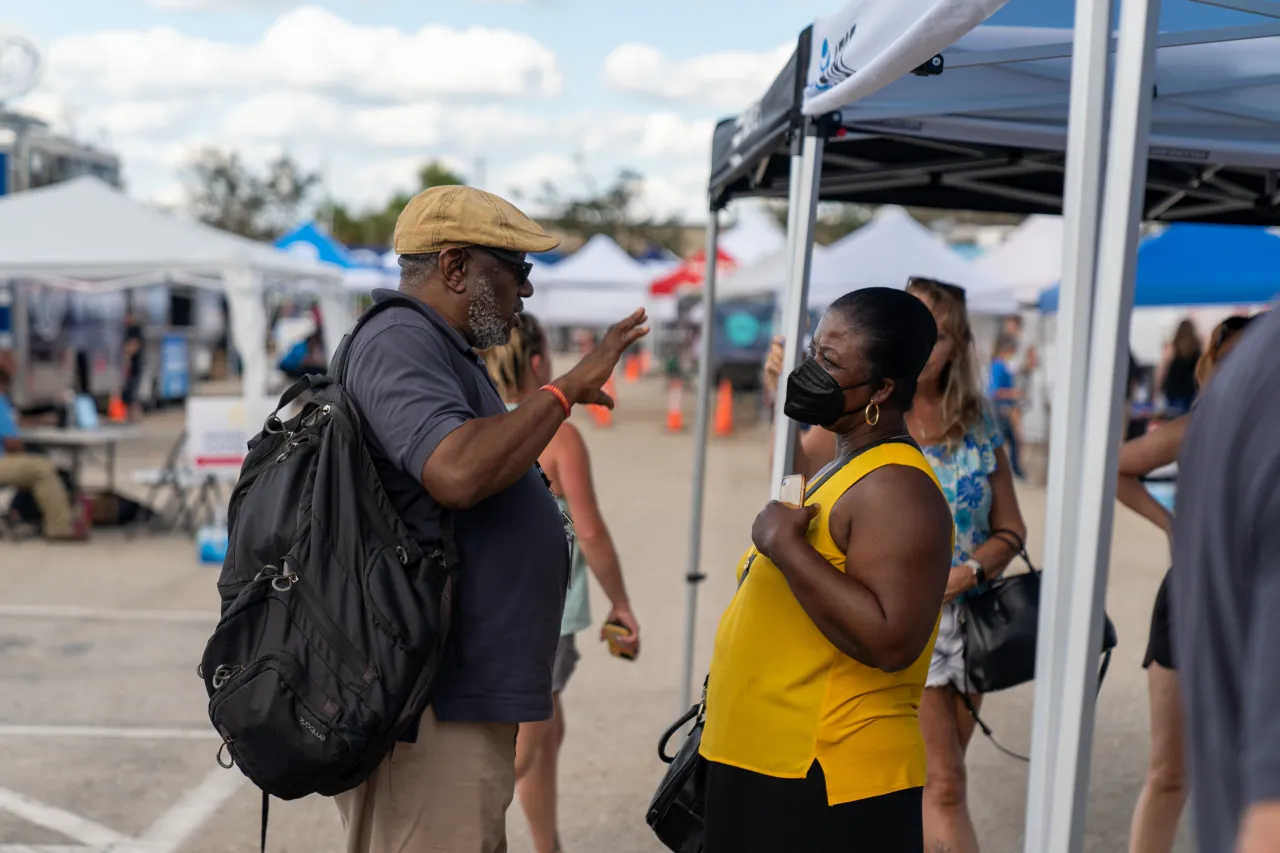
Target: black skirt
[751,813]
[1160,640]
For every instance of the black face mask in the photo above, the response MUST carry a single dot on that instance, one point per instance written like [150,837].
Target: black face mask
[814,396]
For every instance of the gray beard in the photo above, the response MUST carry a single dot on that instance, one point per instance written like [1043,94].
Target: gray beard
[488,326]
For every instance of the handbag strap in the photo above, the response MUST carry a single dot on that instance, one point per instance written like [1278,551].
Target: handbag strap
[973,711]
[1014,541]
[691,714]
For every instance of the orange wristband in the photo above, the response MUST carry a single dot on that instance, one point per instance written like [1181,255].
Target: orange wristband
[559,395]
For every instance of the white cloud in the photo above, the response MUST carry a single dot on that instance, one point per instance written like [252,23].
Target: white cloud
[310,49]
[212,5]
[728,80]
[524,180]
[366,106]
[287,115]
[657,135]
[682,193]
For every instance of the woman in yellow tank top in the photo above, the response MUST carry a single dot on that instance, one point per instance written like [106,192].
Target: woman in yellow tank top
[812,734]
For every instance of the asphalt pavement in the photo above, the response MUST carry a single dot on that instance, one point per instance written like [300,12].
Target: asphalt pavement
[107,745]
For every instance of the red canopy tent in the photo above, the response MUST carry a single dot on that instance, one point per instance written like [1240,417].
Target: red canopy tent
[690,273]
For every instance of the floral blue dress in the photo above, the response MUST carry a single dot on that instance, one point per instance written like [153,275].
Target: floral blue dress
[964,471]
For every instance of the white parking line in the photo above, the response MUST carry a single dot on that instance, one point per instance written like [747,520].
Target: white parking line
[187,815]
[167,835]
[41,611]
[63,822]
[7,730]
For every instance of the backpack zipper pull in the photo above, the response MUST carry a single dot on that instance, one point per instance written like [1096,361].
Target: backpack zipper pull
[284,582]
[230,760]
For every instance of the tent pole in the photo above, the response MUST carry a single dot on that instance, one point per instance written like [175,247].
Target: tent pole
[1123,195]
[793,211]
[1081,199]
[693,574]
[796,306]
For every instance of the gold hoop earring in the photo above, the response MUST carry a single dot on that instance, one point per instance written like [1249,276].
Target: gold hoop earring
[872,418]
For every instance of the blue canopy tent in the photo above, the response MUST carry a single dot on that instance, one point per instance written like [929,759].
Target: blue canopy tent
[308,239]
[1202,264]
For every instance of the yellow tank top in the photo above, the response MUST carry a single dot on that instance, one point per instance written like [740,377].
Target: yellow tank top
[781,695]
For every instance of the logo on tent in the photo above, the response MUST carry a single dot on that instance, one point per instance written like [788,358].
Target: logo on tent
[746,124]
[831,67]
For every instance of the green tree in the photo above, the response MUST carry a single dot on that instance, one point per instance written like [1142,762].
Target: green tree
[834,219]
[375,226]
[611,211]
[224,192]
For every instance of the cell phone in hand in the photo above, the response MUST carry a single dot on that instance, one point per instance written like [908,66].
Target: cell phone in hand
[792,492]
[613,632]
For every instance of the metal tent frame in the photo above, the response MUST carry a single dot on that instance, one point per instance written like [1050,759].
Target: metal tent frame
[1105,170]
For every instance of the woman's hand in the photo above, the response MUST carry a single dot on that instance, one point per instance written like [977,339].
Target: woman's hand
[621,615]
[773,367]
[779,526]
[960,581]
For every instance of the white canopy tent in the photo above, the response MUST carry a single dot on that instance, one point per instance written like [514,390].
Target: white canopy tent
[580,306]
[892,248]
[1189,122]
[1029,259]
[755,236]
[767,277]
[601,264]
[87,236]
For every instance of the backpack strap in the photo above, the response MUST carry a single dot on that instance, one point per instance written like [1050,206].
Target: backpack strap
[462,366]
[338,366]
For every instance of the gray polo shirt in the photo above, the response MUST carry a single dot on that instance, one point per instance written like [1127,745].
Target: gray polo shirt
[515,558]
[1226,587]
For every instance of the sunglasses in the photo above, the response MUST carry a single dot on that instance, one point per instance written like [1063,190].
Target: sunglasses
[519,266]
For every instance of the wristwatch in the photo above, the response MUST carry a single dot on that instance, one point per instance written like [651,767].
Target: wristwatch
[979,573]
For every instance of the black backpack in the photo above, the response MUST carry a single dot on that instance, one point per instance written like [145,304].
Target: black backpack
[334,619]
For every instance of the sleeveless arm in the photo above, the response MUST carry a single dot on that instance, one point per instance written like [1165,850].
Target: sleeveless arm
[895,528]
[571,475]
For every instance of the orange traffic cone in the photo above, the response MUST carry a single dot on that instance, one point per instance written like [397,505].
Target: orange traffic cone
[603,416]
[632,370]
[675,417]
[116,411]
[724,408]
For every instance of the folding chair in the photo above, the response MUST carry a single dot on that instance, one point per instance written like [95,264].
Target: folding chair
[167,480]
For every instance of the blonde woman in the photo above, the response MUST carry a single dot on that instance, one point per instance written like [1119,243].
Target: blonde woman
[520,368]
[964,445]
[1164,794]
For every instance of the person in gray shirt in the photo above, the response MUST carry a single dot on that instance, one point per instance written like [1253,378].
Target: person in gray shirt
[442,440]
[1226,598]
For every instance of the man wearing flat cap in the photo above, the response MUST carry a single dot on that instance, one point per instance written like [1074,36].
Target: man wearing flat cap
[441,438]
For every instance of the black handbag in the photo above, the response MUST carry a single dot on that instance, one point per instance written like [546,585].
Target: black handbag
[676,812]
[999,626]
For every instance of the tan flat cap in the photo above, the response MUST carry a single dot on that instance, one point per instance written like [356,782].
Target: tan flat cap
[444,217]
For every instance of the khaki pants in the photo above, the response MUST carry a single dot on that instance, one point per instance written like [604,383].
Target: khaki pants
[446,793]
[39,476]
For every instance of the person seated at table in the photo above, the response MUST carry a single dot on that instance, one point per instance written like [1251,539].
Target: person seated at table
[35,474]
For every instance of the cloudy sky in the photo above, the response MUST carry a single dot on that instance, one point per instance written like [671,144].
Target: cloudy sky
[365,90]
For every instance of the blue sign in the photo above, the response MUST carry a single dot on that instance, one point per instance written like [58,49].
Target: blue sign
[741,329]
[175,367]
[4,173]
